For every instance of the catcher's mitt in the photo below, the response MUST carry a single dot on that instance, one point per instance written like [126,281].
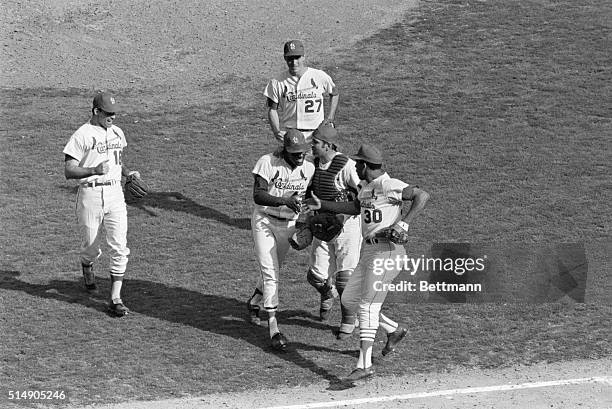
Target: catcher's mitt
[302,237]
[136,187]
[398,233]
[326,226]
[345,195]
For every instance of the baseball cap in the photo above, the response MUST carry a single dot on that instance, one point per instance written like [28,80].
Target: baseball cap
[295,142]
[105,101]
[293,48]
[326,133]
[369,154]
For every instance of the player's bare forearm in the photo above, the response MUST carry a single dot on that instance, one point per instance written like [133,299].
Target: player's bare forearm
[419,199]
[333,105]
[72,170]
[261,195]
[274,120]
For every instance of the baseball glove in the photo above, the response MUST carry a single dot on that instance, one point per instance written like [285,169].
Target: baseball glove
[398,233]
[136,187]
[326,226]
[345,195]
[302,237]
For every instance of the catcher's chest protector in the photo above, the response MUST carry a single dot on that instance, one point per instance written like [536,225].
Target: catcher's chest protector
[323,180]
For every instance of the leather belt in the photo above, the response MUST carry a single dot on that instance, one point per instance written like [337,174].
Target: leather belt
[282,219]
[94,183]
[377,240]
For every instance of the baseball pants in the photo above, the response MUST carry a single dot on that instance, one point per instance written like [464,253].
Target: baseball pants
[103,206]
[363,293]
[271,238]
[339,254]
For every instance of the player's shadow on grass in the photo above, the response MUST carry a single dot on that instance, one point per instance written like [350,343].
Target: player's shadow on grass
[307,319]
[211,313]
[178,202]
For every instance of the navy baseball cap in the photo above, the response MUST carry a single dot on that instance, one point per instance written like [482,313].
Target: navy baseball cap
[105,101]
[293,48]
[326,133]
[368,154]
[295,142]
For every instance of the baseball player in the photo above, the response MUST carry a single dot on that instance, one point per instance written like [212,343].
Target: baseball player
[93,155]
[281,180]
[295,98]
[380,202]
[335,179]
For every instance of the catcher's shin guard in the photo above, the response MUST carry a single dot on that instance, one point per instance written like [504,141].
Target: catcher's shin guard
[328,293]
[342,278]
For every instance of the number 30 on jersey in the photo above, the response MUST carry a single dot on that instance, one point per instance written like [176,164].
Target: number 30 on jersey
[372,216]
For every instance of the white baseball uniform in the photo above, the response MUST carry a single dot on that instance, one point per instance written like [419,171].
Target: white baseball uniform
[100,198]
[381,207]
[273,226]
[300,100]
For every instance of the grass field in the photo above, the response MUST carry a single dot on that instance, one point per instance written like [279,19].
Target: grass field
[500,109]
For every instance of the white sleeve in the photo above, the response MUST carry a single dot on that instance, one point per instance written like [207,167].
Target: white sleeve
[263,168]
[393,188]
[271,90]
[349,175]
[75,146]
[329,83]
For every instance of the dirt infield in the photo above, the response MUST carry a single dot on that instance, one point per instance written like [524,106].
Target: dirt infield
[142,44]
[449,390]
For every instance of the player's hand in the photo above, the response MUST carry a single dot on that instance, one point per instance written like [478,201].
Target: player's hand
[328,122]
[102,168]
[294,202]
[313,202]
[280,135]
[135,174]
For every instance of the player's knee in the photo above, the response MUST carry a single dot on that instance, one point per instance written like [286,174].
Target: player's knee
[342,278]
[268,280]
[349,306]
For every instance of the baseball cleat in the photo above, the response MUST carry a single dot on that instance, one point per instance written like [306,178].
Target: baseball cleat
[89,278]
[344,335]
[360,373]
[279,342]
[116,308]
[393,339]
[326,307]
[346,330]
